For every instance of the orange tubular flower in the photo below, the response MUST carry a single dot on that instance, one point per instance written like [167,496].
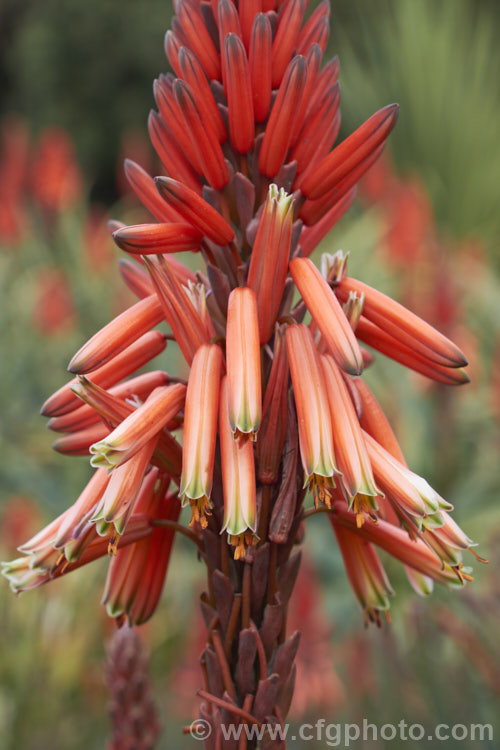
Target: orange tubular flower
[73,518]
[313,413]
[187,326]
[195,210]
[136,574]
[314,210]
[355,150]
[403,325]
[117,335]
[153,239]
[140,427]
[238,478]
[312,31]
[197,38]
[248,10]
[410,495]
[260,66]
[239,94]
[113,410]
[285,38]
[109,408]
[412,552]
[71,541]
[144,187]
[349,445]
[85,416]
[200,431]
[365,572]
[269,262]
[172,158]
[327,314]
[172,45]
[243,364]
[61,529]
[204,102]
[229,23]
[132,358]
[448,540]
[313,59]
[171,114]
[318,131]
[327,77]
[78,443]
[282,119]
[203,136]
[379,339]
[192,72]
[119,498]
[375,423]
[28,573]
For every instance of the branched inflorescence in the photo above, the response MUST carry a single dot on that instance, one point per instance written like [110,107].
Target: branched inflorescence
[275,404]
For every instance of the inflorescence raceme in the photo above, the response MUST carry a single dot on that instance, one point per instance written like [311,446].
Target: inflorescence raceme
[275,403]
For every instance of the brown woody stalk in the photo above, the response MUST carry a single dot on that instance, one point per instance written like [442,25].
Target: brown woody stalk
[248,660]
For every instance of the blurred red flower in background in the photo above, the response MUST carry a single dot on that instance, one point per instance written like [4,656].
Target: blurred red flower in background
[54,312]
[14,148]
[55,179]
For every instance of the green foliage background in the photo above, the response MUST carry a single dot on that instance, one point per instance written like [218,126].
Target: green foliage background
[88,67]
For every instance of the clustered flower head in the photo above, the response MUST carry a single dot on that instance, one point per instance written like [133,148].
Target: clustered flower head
[252,181]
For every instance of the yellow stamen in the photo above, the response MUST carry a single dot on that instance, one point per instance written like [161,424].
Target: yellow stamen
[200,509]
[244,436]
[361,506]
[113,543]
[478,557]
[240,542]
[60,565]
[321,487]
[461,575]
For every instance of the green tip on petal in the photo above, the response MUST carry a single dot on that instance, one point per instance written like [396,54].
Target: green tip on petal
[421,584]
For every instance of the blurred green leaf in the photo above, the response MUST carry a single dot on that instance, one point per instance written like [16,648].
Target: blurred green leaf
[441,62]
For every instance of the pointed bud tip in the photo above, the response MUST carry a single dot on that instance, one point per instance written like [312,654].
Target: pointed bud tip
[392,113]
[75,366]
[355,366]
[464,379]
[114,226]
[128,164]
[461,360]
